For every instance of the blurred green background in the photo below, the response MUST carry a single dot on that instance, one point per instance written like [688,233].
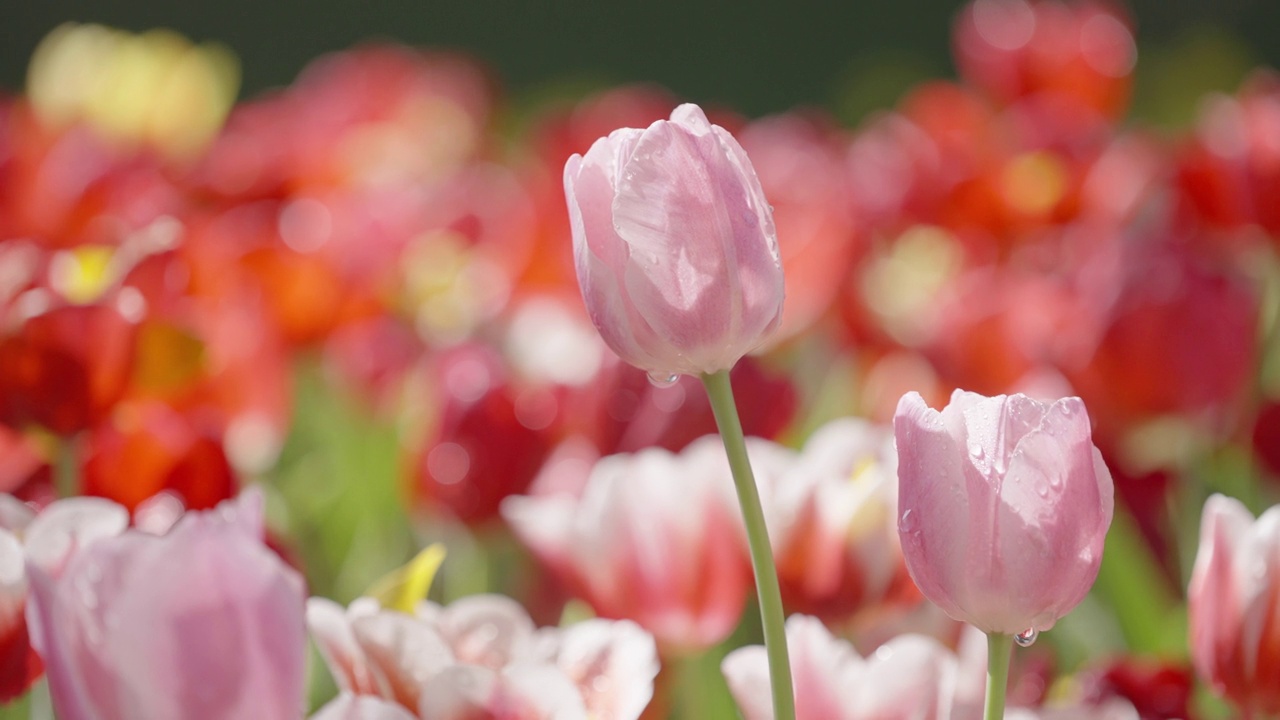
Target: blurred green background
[757,57]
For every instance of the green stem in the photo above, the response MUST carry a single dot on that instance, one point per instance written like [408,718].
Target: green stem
[66,468]
[999,649]
[720,393]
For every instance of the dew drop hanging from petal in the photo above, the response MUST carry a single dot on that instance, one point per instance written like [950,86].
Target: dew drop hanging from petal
[663,380]
[1027,637]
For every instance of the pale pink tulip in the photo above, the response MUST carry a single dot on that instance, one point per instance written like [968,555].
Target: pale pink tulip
[49,540]
[911,677]
[675,247]
[204,622]
[482,657]
[1004,505]
[1111,710]
[653,537]
[362,707]
[1235,604]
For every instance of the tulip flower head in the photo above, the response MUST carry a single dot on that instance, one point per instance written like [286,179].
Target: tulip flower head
[203,622]
[1234,602]
[675,247]
[911,676]
[480,657]
[649,537]
[1004,504]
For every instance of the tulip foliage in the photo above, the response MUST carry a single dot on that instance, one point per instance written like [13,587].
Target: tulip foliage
[1004,359]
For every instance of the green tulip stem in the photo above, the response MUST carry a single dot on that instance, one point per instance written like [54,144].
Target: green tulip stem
[720,393]
[66,467]
[999,650]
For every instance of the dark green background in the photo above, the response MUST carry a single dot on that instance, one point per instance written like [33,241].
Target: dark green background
[756,56]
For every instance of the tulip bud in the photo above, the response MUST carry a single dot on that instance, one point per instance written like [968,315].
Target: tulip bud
[1234,611]
[675,247]
[1004,504]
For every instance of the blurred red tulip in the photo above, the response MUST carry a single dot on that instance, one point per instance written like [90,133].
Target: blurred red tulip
[798,160]
[489,440]
[65,367]
[146,448]
[1084,51]
[65,187]
[1230,168]
[1158,690]
[1172,333]
[622,411]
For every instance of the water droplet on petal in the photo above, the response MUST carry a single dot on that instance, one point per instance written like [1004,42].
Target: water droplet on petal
[662,380]
[908,521]
[1042,490]
[1027,637]
[975,450]
[1067,408]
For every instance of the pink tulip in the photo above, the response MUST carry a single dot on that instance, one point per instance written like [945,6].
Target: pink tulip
[1111,710]
[204,622]
[362,707]
[675,247]
[482,657]
[1235,604]
[911,677]
[652,537]
[1004,504]
[48,540]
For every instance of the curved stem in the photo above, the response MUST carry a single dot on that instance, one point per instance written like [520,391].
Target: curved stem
[720,393]
[999,649]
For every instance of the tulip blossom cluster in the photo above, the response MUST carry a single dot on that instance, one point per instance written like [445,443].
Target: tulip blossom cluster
[482,656]
[391,306]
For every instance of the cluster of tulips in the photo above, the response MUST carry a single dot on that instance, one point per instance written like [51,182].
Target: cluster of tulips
[904,385]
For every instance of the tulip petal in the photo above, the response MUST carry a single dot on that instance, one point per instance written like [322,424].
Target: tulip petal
[1055,512]
[362,707]
[600,256]
[911,676]
[402,652]
[181,581]
[13,582]
[19,665]
[937,500]
[15,515]
[330,627]
[487,630]
[464,692]
[68,526]
[613,664]
[687,219]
